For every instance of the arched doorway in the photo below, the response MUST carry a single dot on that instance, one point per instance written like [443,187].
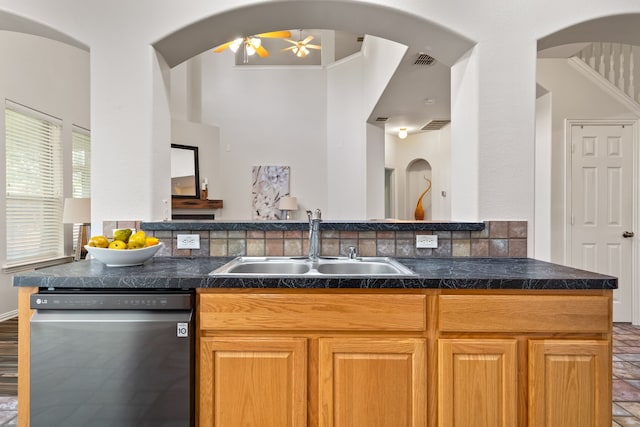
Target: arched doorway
[585,71]
[417,173]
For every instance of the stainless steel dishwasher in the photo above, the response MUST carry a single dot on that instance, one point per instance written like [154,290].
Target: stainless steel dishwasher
[117,359]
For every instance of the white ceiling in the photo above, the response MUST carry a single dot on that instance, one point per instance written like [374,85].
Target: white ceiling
[415,95]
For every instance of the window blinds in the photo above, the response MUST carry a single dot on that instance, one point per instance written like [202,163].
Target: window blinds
[34,185]
[81,162]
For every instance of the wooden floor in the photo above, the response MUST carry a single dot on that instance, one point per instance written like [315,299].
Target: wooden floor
[9,357]
[9,372]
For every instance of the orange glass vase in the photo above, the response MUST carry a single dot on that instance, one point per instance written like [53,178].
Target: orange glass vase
[419,212]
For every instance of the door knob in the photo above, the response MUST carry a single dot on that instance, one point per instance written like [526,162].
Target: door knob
[627,234]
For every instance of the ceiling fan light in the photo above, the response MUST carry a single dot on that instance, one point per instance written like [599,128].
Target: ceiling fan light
[402,133]
[250,50]
[235,45]
[256,42]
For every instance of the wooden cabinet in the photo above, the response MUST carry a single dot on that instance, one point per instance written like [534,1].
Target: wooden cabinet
[477,382]
[540,359]
[309,358]
[404,358]
[253,381]
[569,383]
[368,382]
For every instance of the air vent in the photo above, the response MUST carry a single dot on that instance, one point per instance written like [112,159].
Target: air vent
[424,59]
[360,39]
[382,119]
[436,124]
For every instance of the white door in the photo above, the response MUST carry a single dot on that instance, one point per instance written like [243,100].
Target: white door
[602,206]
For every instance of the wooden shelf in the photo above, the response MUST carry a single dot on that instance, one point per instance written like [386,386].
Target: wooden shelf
[195,204]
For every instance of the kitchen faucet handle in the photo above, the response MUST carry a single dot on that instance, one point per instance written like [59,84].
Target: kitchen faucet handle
[353,252]
[313,215]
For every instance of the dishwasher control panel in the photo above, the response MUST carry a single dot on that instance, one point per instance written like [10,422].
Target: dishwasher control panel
[108,301]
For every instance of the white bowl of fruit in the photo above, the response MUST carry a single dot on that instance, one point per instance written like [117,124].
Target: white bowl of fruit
[125,249]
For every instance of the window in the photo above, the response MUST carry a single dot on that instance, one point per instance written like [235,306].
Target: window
[34,186]
[81,162]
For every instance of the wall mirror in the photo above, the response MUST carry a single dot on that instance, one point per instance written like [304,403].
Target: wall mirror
[185,180]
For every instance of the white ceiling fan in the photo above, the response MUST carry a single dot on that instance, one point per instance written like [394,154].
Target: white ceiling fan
[252,44]
[301,47]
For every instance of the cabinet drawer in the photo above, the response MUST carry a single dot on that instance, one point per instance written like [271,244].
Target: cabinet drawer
[526,313]
[353,312]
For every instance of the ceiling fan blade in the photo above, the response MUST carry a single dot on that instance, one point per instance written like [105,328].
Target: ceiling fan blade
[223,46]
[313,46]
[291,41]
[307,40]
[289,48]
[262,52]
[275,35]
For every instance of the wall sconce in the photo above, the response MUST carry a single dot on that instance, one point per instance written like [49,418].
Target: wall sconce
[402,133]
[286,205]
[78,211]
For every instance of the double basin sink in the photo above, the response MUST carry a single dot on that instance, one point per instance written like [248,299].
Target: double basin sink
[302,266]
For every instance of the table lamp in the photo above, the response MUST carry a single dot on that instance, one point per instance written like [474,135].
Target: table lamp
[78,211]
[286,205]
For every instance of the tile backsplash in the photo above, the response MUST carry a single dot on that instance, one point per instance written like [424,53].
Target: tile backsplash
[497,239]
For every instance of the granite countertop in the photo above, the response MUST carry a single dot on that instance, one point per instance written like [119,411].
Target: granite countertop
[446,273]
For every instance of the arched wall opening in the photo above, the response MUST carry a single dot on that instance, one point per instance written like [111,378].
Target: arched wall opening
[587,73]
[445,45]
[418,180]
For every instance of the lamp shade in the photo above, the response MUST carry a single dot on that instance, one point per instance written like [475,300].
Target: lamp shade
[288,203]
[77,211]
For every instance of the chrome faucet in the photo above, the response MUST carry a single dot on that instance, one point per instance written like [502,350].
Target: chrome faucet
[314,230]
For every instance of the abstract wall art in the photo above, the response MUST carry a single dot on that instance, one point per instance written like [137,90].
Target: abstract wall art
[270,183]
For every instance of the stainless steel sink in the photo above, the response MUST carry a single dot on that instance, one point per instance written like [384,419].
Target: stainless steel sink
[291,266]
[358,267]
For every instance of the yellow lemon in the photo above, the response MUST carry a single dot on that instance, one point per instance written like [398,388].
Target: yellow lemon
[117,244]
[137,240]
[99,242]
[151,241]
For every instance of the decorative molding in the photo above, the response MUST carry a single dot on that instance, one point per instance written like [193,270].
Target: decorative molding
[604,84]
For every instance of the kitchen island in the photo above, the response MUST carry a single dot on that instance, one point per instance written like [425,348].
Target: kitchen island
[489,342]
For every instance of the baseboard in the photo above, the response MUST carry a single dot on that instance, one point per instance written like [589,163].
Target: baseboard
[8,315]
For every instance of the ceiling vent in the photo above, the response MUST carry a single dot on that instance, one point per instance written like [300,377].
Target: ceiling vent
[382,119]
[360,39]
[436,124]
[424,59]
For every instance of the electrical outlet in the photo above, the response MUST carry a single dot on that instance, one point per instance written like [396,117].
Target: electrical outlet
[426,241]
[188,241]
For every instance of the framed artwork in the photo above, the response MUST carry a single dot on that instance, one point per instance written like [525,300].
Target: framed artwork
[269,184]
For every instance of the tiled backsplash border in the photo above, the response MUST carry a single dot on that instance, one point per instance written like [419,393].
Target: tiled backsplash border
[497,239]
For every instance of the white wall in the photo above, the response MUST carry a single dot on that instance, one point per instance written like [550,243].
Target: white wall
[573,97]
[50,77]
[540,243]
[433,147]
[266,116]
[375,172]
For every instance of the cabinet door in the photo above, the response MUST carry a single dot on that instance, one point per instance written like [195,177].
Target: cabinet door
[569,383]
[477,383]
[252,382]
[372,382]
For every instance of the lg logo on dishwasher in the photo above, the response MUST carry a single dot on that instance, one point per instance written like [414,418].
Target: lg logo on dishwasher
[183,330]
